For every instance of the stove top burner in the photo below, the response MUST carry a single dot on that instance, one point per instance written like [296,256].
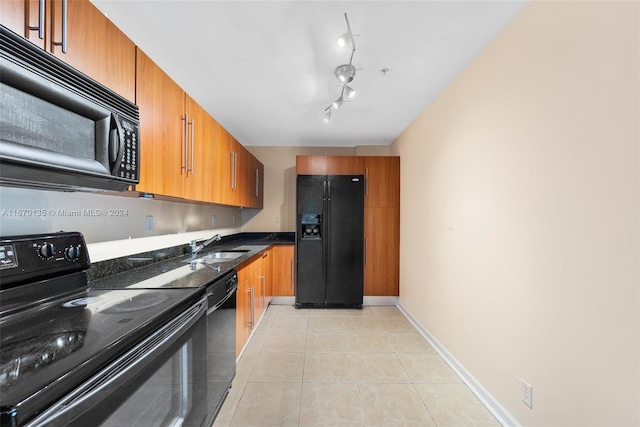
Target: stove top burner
[82,302]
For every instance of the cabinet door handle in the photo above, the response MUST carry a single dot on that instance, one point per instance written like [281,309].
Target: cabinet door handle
[40,26]
[235,170]
[233,174]
[231,169]
[192,153]
[366,181]
[264,290]
[257,182]
[183,166]
[234,160]
[64,28]
[252,322]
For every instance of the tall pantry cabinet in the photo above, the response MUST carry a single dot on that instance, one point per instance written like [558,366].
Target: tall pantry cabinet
[382,226]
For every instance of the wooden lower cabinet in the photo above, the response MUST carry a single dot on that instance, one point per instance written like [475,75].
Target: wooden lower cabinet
[382,251]
[265,276]
[282,278]
[252,298]
[243,310]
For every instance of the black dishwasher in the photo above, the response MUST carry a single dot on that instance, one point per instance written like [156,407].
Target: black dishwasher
[220,316]
[221,341]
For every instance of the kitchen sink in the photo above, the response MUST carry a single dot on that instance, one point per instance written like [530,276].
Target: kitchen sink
[232,254]
[216,257]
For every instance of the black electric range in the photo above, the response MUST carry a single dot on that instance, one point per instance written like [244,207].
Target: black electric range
[55,333]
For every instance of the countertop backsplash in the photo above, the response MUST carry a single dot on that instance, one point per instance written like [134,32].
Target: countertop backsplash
[111,258]
[102,251]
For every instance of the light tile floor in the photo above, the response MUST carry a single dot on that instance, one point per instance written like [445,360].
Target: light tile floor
[369,367]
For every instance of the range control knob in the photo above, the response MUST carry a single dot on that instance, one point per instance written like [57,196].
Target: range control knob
[73,253]
[47,250]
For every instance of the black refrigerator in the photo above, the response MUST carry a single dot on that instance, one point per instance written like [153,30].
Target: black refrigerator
[329,241]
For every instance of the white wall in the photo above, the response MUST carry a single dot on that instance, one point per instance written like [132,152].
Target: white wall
[520,215]
[103,217]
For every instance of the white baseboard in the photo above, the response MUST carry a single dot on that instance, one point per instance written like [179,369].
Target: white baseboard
[367,300]
[283,300]
[497,410]
[380,301]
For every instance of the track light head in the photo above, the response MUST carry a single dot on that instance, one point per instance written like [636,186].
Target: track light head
[327,114]
[338,102]
[344,39]
[351,92]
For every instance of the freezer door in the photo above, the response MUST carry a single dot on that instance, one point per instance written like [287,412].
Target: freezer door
[310,261]
[344,242]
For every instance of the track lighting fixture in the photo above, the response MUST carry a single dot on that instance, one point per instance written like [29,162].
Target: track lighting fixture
[344,73]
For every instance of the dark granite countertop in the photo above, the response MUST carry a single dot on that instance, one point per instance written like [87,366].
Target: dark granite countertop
[172,267]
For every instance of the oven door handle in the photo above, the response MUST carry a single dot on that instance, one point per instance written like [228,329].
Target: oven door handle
[75,409]
[221,302]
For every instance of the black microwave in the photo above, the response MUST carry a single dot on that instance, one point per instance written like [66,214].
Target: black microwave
[60,129]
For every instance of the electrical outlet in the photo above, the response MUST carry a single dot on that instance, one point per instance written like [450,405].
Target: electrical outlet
[214,220]
[149,223]
[277,220]
[526,393]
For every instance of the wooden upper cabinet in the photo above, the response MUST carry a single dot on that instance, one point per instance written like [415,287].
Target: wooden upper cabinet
[329,165]
[235,179]
[242,182]
[223,164]
[13,16]
[177,138]
[255,183]
[93,44]
[231,167]
[200,136]
[119,73]
[382,182]
[311,165]
[25,17]
[345,165]
[162,130]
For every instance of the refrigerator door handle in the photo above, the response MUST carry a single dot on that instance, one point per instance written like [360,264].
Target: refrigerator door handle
[327,228]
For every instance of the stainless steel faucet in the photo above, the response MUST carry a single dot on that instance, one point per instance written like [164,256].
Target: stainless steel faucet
[195,248]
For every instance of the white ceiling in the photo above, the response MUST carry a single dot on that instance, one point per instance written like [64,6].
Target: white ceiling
[265,69]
